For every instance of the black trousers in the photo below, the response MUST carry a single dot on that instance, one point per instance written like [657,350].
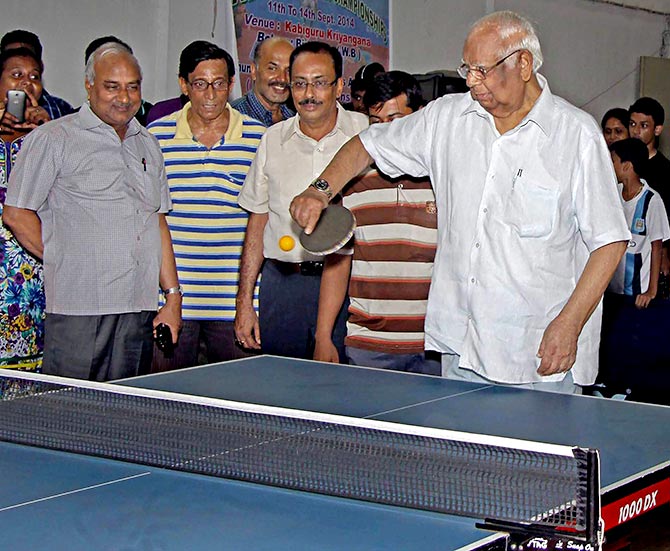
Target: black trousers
[288,308]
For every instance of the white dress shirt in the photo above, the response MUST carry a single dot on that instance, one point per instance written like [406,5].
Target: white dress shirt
[518,216]
[287,161]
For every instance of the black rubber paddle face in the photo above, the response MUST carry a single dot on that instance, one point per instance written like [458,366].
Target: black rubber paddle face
[332,231]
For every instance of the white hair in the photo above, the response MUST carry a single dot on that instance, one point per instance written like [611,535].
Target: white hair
[516,31]
[107,48]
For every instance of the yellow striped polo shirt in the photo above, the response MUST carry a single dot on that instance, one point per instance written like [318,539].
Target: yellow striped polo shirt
[206,223]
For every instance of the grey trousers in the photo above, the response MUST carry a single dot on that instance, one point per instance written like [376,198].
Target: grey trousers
[98,348]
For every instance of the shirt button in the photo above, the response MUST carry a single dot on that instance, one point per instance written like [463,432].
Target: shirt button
[485,210]
[472,280]
[477,245]
[138,237]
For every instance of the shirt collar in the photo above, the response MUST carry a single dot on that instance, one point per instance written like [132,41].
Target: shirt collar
[88,120]
[258,108]
[234,131]
[343,124]
[541,113]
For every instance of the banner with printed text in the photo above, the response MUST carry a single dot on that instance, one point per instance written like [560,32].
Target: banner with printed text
[358,28]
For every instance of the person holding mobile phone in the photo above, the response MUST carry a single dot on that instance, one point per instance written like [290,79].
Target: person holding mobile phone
[22,302]
[21,90]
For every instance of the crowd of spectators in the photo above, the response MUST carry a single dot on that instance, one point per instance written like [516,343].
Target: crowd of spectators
[483,245]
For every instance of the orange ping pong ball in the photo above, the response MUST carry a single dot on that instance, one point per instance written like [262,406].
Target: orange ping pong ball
[286,243]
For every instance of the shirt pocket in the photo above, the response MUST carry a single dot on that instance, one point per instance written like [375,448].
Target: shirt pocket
[150,190]
[531,207]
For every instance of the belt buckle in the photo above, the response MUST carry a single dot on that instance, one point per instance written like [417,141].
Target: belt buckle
[311,268]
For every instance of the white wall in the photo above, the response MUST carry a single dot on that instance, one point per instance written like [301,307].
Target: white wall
[65,28]
[588,47]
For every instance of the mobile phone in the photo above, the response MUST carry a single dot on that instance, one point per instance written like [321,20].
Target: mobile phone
[163,340]
[16,104]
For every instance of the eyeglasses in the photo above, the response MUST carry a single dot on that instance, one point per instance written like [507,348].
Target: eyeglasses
[318,85]
[200,85]
[479,72]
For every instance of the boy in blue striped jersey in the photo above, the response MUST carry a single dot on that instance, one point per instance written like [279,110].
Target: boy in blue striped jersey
[638,271]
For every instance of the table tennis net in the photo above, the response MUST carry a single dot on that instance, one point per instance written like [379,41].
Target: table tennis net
[437,470]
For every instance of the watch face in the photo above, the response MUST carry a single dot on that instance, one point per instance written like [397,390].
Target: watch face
[321,185]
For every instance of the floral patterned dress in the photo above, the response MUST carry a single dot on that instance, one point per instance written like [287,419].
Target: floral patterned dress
[22,304]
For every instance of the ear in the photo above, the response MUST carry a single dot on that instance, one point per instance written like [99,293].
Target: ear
[253,71]
[526,65]
[339,87]
[658,129]
[88,86]
[183,86]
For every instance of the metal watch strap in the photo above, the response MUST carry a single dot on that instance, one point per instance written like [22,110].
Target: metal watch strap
[173,291]
[323,186]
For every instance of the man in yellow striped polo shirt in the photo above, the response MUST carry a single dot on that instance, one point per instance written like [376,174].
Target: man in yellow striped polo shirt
[208,149]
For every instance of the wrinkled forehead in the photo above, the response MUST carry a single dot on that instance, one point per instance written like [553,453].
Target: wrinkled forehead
[276,50]
[313,64]
[482,45]
[117,66]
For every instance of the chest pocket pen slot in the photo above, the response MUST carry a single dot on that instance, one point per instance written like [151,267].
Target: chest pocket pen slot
[150,189]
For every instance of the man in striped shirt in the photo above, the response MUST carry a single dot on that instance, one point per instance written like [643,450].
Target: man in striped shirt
[392,261]
[208,149]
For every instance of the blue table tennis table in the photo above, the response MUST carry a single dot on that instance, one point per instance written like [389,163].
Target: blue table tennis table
[55,500]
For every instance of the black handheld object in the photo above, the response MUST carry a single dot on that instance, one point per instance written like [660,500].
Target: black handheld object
[163,340]
[16,104]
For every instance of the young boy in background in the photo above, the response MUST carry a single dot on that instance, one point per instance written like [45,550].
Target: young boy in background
[638,271]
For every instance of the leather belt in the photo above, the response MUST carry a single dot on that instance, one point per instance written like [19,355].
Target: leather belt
[308,268]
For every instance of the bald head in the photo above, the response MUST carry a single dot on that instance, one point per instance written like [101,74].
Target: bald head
[268,44]
[269,71]
[513,32]
[106,49]
[114,86]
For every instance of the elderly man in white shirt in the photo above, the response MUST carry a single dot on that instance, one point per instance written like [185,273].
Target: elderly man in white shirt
[530,228]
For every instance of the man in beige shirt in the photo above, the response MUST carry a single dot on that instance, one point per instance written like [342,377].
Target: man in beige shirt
[291,154]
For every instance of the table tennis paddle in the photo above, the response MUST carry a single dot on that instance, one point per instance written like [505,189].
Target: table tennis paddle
[332,232]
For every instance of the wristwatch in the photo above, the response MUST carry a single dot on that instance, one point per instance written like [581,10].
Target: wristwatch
[173,291]
[323,186]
